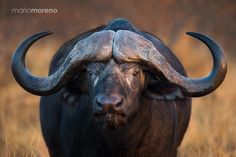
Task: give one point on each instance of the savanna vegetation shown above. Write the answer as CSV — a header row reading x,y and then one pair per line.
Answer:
x,y
212,129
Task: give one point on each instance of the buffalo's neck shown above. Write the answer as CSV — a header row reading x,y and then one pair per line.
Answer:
x,y
129,137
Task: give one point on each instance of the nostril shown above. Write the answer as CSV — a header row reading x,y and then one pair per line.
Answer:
x,y
119,103
99,101
116,101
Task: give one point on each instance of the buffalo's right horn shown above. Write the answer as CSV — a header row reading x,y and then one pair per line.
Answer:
x,y
96,47
131,47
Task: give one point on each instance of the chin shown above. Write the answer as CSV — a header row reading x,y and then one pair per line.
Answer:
x,y
111,121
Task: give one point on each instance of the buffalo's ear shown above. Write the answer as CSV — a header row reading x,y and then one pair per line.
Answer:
x,y
161,89
164,91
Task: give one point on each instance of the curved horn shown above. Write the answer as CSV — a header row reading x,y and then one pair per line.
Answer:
x,y
129,46
96,47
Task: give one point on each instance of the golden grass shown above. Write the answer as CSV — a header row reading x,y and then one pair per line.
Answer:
x,y
20,134
211,132
212,129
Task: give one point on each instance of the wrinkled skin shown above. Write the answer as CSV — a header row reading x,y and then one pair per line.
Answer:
x,y
145,123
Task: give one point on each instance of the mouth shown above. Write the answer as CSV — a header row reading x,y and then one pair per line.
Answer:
x,y
111,121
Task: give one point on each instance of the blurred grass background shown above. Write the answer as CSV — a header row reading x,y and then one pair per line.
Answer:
x,y
212,129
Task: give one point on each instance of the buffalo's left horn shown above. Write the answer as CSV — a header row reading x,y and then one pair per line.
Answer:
x,y
129,47
97,46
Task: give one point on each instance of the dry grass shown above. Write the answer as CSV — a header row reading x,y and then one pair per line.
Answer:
x,y
19,123
212,129
211,133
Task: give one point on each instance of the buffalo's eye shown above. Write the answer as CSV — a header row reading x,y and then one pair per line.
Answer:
x,y
92,76
136,72
132,76
94,69
133,72
91,73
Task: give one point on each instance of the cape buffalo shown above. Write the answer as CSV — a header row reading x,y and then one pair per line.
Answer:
x,y
115,91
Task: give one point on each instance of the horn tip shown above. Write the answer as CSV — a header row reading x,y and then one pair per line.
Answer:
x,y
193,33
42,34
47,32
197,35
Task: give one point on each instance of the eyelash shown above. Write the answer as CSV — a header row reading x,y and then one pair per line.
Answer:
x,y
90,73
136,72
